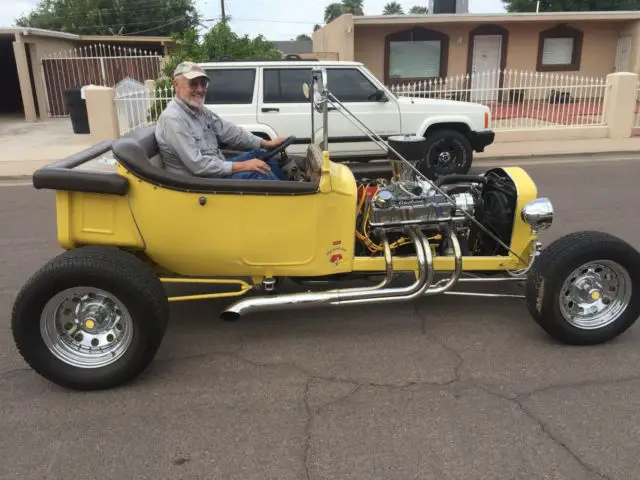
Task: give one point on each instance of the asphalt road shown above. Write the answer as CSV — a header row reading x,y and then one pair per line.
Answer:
x,y
444,388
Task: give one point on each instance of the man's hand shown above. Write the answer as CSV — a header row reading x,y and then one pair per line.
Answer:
x,y
272,143
253,165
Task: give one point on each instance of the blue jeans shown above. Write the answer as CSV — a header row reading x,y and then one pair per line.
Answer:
x,y
276,172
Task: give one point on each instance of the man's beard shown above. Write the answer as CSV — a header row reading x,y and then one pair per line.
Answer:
x,y
195,101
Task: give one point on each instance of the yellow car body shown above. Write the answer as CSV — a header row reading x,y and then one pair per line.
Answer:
x,y
256,235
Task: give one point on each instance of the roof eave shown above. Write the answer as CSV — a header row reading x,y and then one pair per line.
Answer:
x,y
494,17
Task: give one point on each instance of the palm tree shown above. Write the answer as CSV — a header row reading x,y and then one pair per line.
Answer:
x,y
392,8
418,10
354,7
332,11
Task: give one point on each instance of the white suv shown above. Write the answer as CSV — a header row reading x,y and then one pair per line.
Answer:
x,y
267,98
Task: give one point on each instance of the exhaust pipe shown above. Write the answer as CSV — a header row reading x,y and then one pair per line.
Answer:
x,y
353,295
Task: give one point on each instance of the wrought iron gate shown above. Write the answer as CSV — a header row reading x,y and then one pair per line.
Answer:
x,y
99,64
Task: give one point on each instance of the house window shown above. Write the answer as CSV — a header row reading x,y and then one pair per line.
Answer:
x,y
559,49
414,59
416,54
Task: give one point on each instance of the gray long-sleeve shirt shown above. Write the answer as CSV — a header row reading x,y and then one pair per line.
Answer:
x,y
189,141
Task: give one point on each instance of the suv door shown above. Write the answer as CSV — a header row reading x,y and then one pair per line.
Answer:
x,y
283,106
231,94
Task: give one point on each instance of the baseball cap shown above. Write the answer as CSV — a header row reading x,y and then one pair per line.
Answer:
x,y
189,70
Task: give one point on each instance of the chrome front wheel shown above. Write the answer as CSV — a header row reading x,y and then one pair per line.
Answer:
x,y
595,294
584,288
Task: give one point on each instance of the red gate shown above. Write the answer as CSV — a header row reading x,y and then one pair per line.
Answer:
x,y
95,65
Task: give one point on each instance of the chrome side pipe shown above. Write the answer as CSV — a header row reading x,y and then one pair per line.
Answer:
x,y
345,296
417,289
447,284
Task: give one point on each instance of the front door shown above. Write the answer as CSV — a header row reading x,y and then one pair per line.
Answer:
x,y
485,80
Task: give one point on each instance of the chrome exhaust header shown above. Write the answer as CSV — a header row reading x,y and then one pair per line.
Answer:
x,y
376,294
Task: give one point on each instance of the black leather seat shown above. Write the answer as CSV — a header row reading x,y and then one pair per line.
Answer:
x,y
138,152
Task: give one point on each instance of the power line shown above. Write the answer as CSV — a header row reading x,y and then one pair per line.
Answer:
x,y
244,19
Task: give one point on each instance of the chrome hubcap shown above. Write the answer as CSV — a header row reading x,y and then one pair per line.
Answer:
x,y
86,327
445,157
595,294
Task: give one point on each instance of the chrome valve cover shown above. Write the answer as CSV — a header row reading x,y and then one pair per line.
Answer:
x,y
412,203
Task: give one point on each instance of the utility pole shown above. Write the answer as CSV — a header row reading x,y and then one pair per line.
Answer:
x,y
222,7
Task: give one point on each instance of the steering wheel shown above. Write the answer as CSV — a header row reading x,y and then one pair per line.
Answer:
x,y
280,148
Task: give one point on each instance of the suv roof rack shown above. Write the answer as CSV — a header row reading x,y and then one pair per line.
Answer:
x,y
292,57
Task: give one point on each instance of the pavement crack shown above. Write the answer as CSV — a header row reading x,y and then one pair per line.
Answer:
x,y
352,381
15,371
423,326
307,442
546,430
586,383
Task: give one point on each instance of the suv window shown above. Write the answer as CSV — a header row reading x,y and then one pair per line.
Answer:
x,y
350,85
231,86
284,85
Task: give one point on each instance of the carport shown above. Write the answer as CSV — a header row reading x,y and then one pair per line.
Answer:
x,y
11,98
23,94
28,55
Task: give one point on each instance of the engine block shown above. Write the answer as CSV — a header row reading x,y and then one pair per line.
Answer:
x,y
417,202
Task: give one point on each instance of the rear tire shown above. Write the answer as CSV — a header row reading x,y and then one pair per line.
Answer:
x,y
448,152
584,288
90,319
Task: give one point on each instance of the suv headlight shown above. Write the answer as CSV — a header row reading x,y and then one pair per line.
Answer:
x,y
538,213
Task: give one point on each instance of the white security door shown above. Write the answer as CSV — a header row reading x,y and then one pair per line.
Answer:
x,y
487,51
623,54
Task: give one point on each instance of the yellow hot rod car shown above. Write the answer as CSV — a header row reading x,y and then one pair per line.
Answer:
x,y
94,316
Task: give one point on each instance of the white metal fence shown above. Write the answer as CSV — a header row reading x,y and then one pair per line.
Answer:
x,y
140,107
99,64
521,99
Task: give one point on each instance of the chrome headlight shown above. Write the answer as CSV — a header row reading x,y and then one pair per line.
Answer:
x,y
538,213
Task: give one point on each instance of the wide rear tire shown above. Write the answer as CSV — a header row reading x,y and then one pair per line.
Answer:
x,y
92,318
584,288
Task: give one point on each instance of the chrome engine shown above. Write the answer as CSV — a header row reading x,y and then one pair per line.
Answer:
x,y
415,203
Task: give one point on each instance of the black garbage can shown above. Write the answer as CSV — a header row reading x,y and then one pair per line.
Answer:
x,y
77,107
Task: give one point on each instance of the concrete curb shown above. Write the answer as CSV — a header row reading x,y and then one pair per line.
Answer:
x,y
542,156
476,161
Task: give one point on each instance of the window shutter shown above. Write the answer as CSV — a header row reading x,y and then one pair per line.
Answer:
x,y
557,51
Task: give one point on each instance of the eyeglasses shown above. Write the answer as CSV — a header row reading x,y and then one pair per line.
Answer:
x,y
198,82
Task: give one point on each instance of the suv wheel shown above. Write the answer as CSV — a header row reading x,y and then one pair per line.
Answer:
x,y
448,152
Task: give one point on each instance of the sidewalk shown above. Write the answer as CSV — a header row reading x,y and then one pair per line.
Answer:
x,y
26,146
515,150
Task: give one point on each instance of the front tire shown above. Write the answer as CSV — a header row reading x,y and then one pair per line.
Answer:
x,y
90,319
584,288
448,152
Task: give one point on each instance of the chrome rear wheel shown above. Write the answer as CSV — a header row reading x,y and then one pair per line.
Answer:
x,y
86,327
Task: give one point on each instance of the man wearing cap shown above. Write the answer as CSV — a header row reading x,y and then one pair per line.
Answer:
x,y
189,135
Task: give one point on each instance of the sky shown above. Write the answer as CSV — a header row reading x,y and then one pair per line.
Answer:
x,y
254,17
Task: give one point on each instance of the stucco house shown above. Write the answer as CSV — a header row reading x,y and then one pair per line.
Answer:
x,y
405,48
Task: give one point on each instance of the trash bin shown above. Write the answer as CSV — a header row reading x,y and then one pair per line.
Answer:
x,y
77,107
